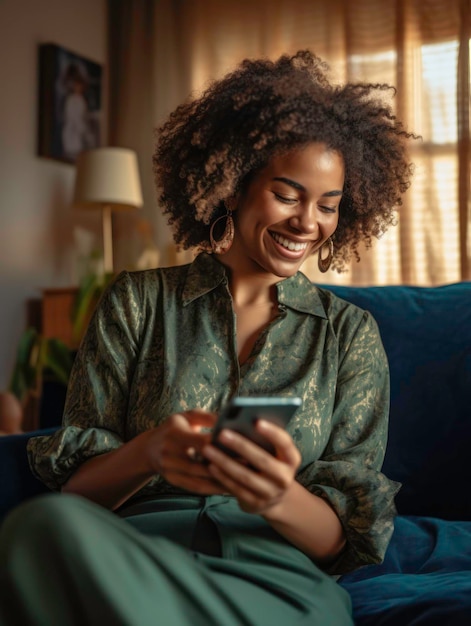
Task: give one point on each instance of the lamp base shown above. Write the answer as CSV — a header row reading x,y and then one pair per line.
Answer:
x,y
107,239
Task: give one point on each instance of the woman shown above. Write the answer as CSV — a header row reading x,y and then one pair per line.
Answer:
x,y
270,165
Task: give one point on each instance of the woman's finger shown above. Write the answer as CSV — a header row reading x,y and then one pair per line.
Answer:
x,y
244,481
257,457
181,431
281,440
249,495
200,419
255,493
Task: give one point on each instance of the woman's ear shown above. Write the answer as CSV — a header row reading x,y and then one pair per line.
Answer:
x,y
232,202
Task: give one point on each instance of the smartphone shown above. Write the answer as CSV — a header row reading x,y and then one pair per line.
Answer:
x,y
242,413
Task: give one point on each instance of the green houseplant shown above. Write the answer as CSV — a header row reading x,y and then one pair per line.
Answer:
x,y
89,292
36,356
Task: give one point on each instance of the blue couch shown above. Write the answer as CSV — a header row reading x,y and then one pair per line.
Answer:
x,y
426,576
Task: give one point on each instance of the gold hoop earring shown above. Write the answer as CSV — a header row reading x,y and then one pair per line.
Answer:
x,y
223,244
324,264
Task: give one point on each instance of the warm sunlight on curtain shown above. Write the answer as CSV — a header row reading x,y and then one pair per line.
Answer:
x,y
162,50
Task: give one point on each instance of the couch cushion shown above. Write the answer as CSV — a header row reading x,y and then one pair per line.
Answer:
x,y
16,480
426,332
425,578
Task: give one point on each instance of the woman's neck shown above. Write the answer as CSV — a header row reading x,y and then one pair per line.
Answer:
x,y
248,283
251,289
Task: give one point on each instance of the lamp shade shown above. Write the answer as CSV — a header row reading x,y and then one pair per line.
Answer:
x,y
107,176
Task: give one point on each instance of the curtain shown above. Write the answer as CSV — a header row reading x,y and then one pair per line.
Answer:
x,y
162,51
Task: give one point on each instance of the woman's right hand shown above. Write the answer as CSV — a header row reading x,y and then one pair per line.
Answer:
x,y
174,451
171,450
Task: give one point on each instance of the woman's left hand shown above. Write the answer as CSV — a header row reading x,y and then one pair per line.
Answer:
x,y
257,479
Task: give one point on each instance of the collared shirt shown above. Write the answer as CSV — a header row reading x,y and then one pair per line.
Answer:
x,y
164,341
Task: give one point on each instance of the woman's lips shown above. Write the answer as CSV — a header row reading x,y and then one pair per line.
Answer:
x,y
288,246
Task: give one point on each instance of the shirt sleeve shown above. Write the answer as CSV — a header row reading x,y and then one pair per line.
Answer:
x,y
94,420
348,474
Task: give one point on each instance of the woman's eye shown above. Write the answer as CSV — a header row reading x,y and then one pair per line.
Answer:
x,y
328,209
285,199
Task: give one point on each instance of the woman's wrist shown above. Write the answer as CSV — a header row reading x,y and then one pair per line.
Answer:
x,y
281,511
145,452
308,522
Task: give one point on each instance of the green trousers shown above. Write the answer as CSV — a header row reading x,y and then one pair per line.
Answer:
x,y
178,561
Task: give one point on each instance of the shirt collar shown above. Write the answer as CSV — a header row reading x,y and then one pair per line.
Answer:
x,y
204,275
299,293
296,292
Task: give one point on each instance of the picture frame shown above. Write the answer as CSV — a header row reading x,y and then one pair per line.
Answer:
x,y
69,103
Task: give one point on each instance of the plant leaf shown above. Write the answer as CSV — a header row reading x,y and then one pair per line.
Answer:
x,y
90,290
59,360
83,303
23,372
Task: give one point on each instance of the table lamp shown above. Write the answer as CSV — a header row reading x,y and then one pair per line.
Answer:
x,y
107,179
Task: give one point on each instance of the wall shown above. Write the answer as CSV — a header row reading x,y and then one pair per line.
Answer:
x,y
36,222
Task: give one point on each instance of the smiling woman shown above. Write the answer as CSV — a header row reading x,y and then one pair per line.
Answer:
x,y
286,212
211,147
270,165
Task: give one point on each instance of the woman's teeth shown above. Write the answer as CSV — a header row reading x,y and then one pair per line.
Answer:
x,y
286,243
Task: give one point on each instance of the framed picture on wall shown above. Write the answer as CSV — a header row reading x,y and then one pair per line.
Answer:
x,y
69,107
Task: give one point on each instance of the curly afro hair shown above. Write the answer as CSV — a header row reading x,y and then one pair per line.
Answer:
x,y
211,146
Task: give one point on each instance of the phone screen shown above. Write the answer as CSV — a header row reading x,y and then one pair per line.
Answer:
x,y
242,413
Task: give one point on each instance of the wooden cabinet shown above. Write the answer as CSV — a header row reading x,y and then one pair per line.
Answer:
x,y
56,313
51,314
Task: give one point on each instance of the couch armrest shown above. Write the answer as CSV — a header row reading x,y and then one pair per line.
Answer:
x,y
17,482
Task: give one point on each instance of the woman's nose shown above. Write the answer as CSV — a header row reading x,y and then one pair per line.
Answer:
x,y
305,220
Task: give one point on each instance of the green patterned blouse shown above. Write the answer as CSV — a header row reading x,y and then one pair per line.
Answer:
x,y
162,341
